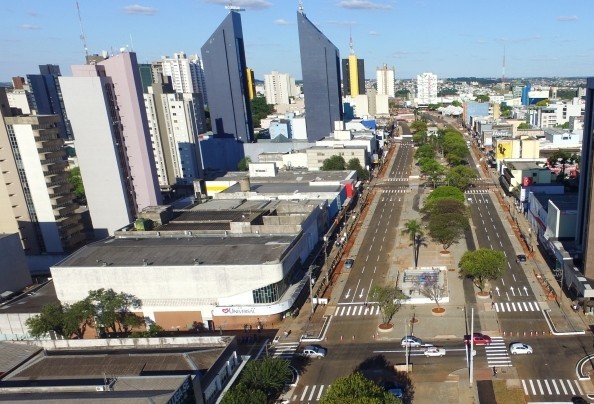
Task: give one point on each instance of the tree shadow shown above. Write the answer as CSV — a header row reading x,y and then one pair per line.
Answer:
x,y
381,371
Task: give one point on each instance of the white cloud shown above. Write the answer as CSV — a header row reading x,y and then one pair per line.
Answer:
x,y
567,18
28,26
373,33
282,21
363,5
140,10
254,4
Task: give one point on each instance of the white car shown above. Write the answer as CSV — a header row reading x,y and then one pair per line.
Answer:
x,y
434,351
520,348
313,351
411,341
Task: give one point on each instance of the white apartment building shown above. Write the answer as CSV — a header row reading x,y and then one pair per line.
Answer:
x,y
554,114
426,89
279,87
187,74
175,121
385,81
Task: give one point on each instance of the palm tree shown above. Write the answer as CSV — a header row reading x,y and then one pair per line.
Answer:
x,y
414,230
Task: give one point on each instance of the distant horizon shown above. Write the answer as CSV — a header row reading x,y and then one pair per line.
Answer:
x,y
551,40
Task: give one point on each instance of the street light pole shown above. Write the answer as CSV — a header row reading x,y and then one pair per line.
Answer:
x,y
310,288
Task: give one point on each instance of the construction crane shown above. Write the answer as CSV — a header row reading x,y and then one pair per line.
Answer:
x,y
82,32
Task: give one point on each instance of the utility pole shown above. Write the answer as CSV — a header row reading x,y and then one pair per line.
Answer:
x,y
471,344
407,344
311,267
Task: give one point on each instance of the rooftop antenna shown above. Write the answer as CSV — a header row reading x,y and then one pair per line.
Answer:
x,y
232,8
131,44
351,40
301,6
503,72
82,32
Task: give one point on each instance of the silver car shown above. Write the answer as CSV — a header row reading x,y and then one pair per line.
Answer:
x,y
520,348
348,264
411,341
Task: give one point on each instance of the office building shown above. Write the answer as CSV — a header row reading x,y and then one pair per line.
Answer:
x,y
105,107
426,89
320,68
385,80
223,56
46,96
36,199
585,224
279,88
353,74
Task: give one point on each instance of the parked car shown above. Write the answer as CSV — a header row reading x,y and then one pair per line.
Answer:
x,y
434,351
411,341
520,348
313,351
396,392
478,339
348,264
520,258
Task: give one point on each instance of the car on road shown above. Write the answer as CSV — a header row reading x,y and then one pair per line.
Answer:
x,y
313,351
478,339
411,341
396,392
348,264
520,258
434,351
519,348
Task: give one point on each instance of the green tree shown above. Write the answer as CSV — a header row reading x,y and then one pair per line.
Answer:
x,y
76,180
260,110
334,163
524,125
244,164
49,319
357,389
448,205
482,98
542,103
420,137
425,151
461,177
268,375
77,317
432,169
389,300
354,164
456,103
443,192
447,228
482,265
241,394
418,125
414,229
113,310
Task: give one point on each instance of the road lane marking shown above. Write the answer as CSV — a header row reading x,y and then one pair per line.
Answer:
x,y
304,393
313,390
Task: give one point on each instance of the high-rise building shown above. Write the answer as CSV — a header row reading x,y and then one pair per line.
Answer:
x,y
279,88
105,107
426,89
385,81
186,73
353,74
585,220
36,198
46,96
223,56
175,121
320,68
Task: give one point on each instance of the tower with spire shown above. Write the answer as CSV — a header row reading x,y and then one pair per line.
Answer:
x,y
353,73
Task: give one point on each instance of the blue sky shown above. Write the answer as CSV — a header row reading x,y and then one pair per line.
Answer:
x,y
450,38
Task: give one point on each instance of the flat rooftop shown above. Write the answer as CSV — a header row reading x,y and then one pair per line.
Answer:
x,y
12,355
293,177
31,301
564,202
284,188
182,251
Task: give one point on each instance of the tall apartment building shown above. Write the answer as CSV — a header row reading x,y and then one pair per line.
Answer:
x,y
36,199
320,67
175,121
353,74
385,80
585,220
105,107
426,89
223,56
186,73
46,96
279,88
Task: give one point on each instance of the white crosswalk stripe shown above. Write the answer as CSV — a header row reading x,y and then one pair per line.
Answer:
x,y
395,191
551,387
284,350
310,393
476,191
357,310
497,354
504,307
397,179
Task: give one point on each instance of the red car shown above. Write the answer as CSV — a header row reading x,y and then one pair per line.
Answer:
x,y
478,339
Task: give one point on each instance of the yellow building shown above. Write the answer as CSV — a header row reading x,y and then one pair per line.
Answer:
x,y
353,74
251,83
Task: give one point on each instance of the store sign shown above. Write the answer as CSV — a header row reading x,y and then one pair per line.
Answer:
x,y
253,310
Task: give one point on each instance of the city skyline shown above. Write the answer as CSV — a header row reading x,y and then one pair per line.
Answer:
x,y
449,39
